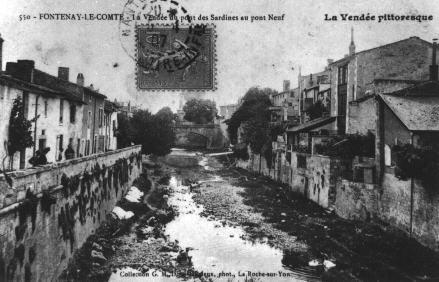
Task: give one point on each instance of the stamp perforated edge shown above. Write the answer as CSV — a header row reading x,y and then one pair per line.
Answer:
x,y
158,89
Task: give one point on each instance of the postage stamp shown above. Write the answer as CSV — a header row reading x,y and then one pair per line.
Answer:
x,y
170,58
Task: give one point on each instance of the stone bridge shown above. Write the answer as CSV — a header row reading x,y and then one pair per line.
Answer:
x,y
202,136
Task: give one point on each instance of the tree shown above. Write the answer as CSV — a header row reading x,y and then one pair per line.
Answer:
x,y
254,106
123,135
253,116
200,111
19,132
153,132
163,121
166,114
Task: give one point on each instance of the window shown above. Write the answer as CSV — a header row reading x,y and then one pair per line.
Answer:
x,y
72,113
114,129
301,161
95,144
387,155
59,147
87,147
343,74
89,119
61,111
45,108
101,117
78,147
41,144
43,132
89,98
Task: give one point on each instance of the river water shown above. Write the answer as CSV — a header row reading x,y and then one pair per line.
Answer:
x,y
217,248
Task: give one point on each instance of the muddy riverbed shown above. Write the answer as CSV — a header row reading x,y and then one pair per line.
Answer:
x,y
210,222
219,248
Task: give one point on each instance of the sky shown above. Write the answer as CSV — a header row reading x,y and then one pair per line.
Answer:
x,y
261,53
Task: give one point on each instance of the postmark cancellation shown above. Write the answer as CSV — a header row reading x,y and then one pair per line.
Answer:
x,y
175,58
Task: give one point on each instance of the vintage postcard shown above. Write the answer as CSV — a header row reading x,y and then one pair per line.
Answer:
x,y
219,140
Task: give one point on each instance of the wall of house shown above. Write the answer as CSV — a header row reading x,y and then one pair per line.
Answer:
x,y
91,128
362,117
407,59
395,208
7,96
39,235
113,127
394,129
52,126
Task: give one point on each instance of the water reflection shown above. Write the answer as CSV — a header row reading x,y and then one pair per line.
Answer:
x,y
217,247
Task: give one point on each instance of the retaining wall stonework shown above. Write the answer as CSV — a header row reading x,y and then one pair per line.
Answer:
x,y
50,211
356,200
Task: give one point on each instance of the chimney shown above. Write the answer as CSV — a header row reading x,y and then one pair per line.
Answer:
x,y
22,69
80,79
352,45
1,53
330,61
434,67
63,73
286,85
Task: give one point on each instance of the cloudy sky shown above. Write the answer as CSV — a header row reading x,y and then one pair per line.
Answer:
x,y
262,53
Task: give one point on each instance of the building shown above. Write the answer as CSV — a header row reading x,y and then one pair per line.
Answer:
x,y
64,113
126,108
285,109
356,76
110,125
399,116
85,131
353,76
57,113
313,88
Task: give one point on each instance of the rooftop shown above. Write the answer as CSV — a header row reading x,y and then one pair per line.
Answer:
x,y
381,46
313,124
35,88
417,113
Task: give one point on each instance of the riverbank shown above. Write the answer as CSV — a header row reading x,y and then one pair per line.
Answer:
x,y
136,244
212,217
308,234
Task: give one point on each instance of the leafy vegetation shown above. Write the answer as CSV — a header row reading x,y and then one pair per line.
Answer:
x,y
200,111
253,117
419,163
153,132
19,133
316,110
123,131
348,146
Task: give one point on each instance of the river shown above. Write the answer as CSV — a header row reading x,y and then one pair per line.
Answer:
x,y
219,249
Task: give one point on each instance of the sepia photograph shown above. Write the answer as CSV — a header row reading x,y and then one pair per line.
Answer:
x,y
207,140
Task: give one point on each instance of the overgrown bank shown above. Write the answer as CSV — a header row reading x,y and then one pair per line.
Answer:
x,y
102,253
361,250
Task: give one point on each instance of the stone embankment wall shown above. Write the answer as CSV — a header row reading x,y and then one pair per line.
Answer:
x,y
404,204
314,176
50,211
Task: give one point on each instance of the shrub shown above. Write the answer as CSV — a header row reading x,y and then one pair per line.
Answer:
x,y
348,146
419,163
